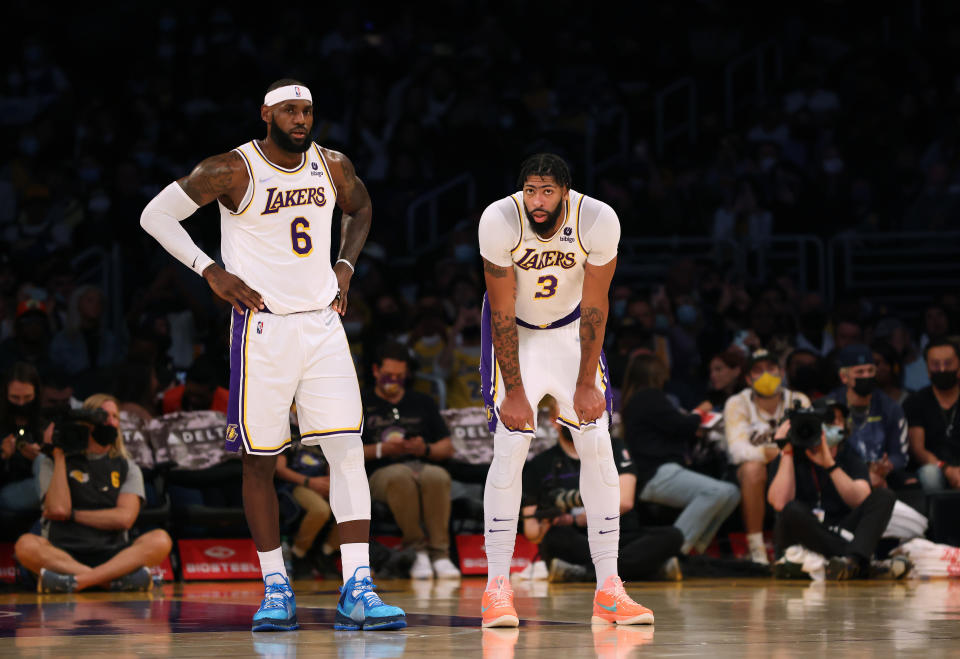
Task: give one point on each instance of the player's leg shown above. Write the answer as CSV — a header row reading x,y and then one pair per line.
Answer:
x,y
330,414
599,484
264,370
504,485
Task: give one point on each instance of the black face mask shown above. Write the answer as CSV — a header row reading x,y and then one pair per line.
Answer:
x,y
944,380
864,386
104,435
25,410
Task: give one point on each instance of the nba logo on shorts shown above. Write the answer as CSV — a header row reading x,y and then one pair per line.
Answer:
x,y
260,327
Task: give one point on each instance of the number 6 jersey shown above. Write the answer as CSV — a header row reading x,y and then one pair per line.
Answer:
x,y
278,240
549,272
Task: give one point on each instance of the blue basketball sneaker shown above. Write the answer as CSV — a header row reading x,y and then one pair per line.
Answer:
x,y
278,610
361,608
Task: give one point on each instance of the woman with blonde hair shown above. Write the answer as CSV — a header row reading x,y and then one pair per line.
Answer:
x,y
91,499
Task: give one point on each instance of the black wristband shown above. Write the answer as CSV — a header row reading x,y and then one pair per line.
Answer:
x,y
306,481
426,451
72,511
831,468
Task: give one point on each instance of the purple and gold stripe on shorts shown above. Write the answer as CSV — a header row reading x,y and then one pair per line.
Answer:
x,y
236,430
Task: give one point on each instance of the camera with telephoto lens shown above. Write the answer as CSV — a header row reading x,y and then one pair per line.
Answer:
x,y
806,427
558,501
72,428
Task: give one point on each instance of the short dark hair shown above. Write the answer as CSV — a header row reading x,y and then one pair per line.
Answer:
x,y
941,343
545,164
395,351
283,82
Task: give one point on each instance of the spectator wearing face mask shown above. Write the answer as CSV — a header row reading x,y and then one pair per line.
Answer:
x,y
932,420
751,418
878,430
405,443
23,432
198,392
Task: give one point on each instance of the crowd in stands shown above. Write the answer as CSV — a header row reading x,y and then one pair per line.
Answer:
x,y
861,134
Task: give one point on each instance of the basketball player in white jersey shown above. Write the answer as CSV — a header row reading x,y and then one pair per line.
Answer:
x,y
549,254
276,198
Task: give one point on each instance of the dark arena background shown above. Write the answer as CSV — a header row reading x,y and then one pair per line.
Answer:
x,y
787,182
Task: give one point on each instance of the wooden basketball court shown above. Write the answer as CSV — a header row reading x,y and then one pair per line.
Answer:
x,y
695,618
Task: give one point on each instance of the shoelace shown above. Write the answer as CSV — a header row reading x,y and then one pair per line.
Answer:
x,y
275,596
619,593
501,596
366,588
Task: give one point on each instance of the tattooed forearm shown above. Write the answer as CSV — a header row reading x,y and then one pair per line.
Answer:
x,y
592,325
505,345
494,270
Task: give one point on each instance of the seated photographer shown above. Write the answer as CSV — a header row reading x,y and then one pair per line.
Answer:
x,y
554,518
750,419
404,438
659,436
933,427
91,495
23,432
821,492
878,429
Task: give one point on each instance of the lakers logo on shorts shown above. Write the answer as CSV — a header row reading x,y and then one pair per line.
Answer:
x,y
232,432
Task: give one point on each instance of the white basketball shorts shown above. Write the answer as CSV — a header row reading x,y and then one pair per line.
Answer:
x,y
549,364
276,360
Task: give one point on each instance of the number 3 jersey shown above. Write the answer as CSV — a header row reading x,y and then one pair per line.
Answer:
x,y
549,272
278,240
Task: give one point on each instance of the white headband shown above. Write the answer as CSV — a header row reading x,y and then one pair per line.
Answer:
x,y
288,93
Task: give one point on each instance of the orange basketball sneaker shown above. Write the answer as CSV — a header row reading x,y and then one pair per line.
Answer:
x,y
612,605
497,605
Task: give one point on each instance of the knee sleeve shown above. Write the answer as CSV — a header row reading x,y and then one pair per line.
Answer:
x,y
349,490
509,455
596,454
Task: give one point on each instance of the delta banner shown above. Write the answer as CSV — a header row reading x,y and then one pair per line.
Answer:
x,y
473,558
218,559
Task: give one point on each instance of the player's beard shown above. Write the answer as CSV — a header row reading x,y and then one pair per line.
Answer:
x,y
545,228
285,142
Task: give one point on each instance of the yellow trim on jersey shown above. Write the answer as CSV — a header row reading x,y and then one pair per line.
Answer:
x,y
276,167
579,204
253,184
520,218
326,168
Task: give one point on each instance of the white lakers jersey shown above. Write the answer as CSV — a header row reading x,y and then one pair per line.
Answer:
x,y
549,272
278,240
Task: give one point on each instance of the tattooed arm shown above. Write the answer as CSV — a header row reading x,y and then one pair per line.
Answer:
x,y
588,402
354,200
515,410
222,177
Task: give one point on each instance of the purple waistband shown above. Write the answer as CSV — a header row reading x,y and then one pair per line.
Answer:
x,y
566,320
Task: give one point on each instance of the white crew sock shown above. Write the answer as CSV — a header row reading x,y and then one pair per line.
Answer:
x,y
271,566
605,568
355,556
755,542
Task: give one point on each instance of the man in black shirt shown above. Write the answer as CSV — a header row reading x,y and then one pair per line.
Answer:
x,y
824,499
404,438
933,426
555,519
